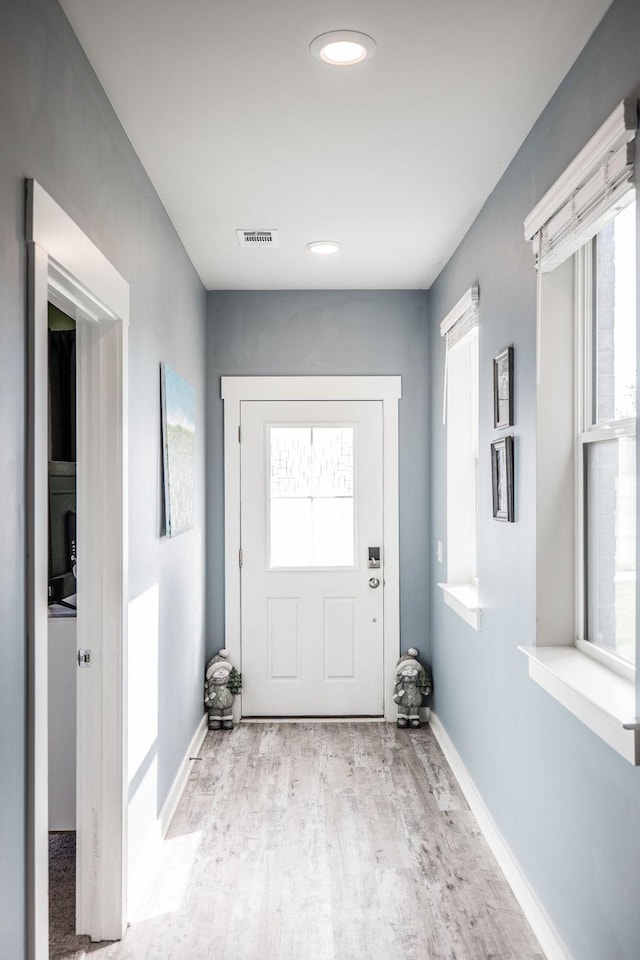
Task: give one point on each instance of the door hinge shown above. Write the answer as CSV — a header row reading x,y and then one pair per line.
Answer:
x,y
239,434
84,658
239,558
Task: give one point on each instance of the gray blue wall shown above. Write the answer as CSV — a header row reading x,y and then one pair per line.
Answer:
x,y
566,803
57,126
326,332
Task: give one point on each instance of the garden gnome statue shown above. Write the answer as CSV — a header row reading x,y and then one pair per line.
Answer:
x,y
221,685
412,683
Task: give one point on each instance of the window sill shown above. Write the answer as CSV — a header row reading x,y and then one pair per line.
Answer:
x,y
463,600
598,696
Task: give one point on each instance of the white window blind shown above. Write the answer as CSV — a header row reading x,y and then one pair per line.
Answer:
x,y
591,191
458,323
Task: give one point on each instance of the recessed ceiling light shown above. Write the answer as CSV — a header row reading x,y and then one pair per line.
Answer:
x,y
342,48
324,247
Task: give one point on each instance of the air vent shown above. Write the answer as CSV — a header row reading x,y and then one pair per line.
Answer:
x,y
257,238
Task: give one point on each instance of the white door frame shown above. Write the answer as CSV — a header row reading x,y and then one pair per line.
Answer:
x,y
65,267
388,390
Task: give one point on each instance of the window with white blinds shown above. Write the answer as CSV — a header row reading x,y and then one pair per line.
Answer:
x,y
594,188
459,323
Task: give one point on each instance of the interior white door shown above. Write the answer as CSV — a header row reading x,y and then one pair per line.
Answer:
x,y
311,513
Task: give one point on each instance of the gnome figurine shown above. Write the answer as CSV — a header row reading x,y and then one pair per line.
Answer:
x,y
412,683
221,685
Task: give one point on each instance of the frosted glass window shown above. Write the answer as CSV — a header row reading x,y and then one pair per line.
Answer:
x,y
311,517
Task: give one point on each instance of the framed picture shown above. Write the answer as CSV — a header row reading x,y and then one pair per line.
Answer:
x,y
502,478
503,388
178,402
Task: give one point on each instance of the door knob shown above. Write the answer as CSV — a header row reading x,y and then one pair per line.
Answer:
x,y
374,582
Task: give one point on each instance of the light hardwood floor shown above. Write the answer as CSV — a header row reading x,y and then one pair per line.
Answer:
x,y
327,842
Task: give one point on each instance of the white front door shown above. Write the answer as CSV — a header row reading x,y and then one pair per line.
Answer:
x,y
311,524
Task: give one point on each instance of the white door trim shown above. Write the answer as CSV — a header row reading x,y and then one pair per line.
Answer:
x,y
68,269
388,389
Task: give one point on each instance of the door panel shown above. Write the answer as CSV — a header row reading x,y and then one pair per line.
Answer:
x,y
284,637
339,637
311,507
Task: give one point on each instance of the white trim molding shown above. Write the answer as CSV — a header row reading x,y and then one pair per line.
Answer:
x,y
600,697
152,861
388,390
460,416
66,268
547,935
463,600
618,129
75,256
174,796
596,185
468,301
239,389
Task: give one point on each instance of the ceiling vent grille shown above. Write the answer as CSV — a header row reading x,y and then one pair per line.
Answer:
x,y
257,238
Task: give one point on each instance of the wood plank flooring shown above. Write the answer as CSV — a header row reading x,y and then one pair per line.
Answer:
x,y
329,842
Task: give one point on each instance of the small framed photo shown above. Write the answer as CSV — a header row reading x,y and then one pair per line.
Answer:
x,y
503,389
502,479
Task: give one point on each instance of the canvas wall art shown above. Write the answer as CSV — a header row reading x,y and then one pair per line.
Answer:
x,y
178,400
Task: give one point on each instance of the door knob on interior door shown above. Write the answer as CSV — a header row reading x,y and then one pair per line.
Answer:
x,y
374,582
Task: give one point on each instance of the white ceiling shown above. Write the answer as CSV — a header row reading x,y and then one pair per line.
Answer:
x,y
238,126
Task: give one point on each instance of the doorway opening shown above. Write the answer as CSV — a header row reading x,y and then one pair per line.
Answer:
x,y
271,418
69,272
62,640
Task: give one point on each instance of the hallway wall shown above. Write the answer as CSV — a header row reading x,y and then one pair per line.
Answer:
x,y
326,332
58,126
567,804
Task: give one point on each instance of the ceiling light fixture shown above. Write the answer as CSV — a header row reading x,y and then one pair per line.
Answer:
x,y
324,248
343,48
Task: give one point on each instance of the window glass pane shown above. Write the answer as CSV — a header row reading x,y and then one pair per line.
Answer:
x,y
462,449
333,532
291,532
615,321
311,516
611,545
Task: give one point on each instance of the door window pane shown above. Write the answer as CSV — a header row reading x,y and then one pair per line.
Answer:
x,y
611,545
311,517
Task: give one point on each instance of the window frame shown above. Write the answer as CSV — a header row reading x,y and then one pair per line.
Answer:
x,y
588,432
575,207
460,591
311,426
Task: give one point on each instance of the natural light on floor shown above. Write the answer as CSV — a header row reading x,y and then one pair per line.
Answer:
x,y
169,875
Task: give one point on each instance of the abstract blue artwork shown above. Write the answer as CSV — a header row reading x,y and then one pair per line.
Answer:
x,y
179,448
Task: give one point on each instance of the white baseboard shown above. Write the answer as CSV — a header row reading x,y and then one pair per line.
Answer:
x,y
538,919
143,875
313,720
180,780
424,716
